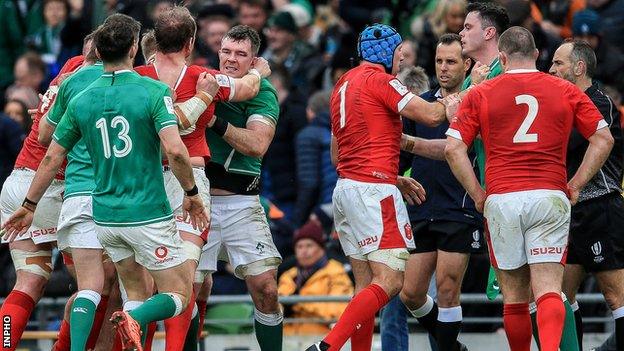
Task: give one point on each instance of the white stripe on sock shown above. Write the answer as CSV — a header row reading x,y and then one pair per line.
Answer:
x,y
424,309
90,295
131,305
450,314
270,319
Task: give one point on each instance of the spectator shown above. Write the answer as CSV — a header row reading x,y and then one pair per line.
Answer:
x,y
157,8
612,14
447,17
11,137
61,36
299,58
410,53
360,13
610,60
214,21
555,16
520,15
616,96
314,274
18,112
253,13
316,175
30,71
24,94
16,22
279,161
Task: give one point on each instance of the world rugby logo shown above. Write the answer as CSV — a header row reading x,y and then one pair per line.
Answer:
x,y
475,237
596,248
161,252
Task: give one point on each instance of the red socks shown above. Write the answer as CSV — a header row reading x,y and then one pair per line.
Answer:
x,y
151,330
63,343
362,338
517,322
201,308
17,306
177,327
550,318
360,310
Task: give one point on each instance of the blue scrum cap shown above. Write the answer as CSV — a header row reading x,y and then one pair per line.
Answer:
x,y
377,43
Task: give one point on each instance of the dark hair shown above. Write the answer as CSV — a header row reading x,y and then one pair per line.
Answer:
x,y
27,122
582,51
517,41
242,33
492,15
91,54
173,29
279,72
254,3
449,38
34,62
116,36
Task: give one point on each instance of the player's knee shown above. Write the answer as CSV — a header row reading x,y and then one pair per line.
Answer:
x,y
448,292
33,269
614,299
413,297
257,268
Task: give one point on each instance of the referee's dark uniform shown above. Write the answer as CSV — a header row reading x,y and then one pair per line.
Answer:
x,y
597,223
448,220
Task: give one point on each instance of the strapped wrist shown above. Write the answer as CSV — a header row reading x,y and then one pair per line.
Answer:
x,y
194,191
29,205
220,126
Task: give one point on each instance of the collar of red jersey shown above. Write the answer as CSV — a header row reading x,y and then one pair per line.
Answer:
x,y
521,70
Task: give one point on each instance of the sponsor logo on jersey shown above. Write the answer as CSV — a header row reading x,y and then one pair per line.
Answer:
x,y
260,248
368,241
169,104
180,219
476,244
408,231
161,252
597,250
546,251
46,231
398,86
48,97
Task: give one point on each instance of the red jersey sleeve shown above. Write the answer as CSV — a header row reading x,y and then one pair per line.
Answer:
x,y
226,86
390,91
466,125
587,118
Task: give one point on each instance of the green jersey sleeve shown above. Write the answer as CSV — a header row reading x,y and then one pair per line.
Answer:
x,y
59,106
264,108
163,113
67,133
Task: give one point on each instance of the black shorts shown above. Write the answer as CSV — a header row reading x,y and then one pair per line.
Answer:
x,y
447,236
597,234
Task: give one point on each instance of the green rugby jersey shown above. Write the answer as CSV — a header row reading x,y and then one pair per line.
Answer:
x,y
264,107
119,117
79,172
495,69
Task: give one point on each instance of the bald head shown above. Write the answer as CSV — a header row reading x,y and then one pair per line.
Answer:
x,y
517,43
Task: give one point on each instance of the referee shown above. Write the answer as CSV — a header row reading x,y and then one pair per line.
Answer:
x,y
596,237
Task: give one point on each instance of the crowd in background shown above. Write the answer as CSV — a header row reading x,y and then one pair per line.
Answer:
x,y
309,44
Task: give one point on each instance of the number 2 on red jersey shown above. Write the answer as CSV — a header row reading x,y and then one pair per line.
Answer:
x,y
522,135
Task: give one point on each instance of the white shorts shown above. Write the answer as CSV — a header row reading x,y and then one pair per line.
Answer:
x,y
76,228
155,246
370,217
14,190
175,194
527,227
240,228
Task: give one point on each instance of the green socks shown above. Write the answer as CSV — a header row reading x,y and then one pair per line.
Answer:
x,y
492,290
156,308
81,318
269,330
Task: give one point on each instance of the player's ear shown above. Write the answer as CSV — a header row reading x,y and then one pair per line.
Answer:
x,y
467,64
97,53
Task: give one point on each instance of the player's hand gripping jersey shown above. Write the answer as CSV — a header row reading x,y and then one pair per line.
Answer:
x,y
365,109
185,89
